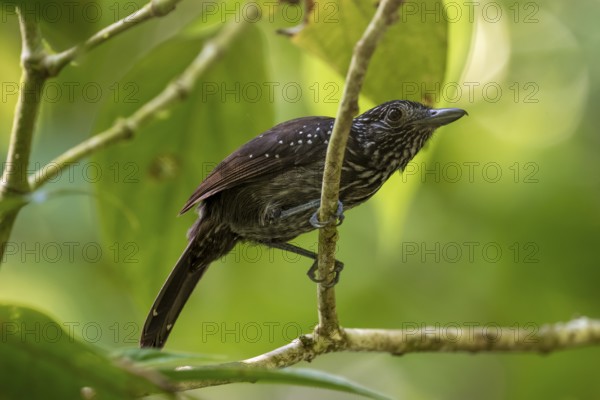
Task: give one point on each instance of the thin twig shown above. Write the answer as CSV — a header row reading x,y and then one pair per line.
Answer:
x,y
175,92
156,8
450,339
37,67
363,51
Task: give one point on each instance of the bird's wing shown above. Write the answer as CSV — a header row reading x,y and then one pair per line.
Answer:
x,y
289,144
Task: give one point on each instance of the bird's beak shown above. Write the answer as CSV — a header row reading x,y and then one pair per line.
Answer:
x,y
442,116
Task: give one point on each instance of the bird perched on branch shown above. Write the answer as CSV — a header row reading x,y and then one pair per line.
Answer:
x,y
268,191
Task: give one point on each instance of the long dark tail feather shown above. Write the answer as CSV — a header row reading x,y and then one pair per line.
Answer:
x,y
208,242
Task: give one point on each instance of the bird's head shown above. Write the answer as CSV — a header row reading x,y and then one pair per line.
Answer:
x,y
400,128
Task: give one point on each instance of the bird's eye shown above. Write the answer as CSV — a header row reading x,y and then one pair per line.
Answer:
x,y
394,115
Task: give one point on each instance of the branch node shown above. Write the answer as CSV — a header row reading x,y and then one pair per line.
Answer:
x,y
127,128
329,340
181,88
53,63
306,340
35,63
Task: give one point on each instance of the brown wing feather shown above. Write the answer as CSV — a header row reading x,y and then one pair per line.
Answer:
x,y
267,153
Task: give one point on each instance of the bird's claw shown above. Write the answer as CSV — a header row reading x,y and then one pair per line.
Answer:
x,y
337,270
337,219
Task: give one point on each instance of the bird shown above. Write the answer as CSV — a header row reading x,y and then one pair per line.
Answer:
x,y
268,192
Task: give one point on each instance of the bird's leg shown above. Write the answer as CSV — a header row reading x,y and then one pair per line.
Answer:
x,y
339,266
301,208
314,220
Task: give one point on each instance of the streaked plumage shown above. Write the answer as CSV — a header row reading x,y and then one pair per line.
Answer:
x,y
256,194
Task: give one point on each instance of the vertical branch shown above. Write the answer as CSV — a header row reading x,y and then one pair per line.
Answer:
x,y
14,179
363,51
33,78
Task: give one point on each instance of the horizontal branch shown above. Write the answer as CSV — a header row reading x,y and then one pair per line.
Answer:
x,y
492,338
489,339
530,338
175,92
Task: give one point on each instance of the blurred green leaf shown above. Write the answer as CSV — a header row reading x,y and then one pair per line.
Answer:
x,y
167,160
294,376
64,23
45,361
411,54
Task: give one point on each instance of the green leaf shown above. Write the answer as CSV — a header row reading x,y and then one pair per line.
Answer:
x,y
410,61
154,357
45,361
183,368
295,376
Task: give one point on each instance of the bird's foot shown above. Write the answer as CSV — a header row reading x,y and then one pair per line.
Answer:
x,y
337,219
337,270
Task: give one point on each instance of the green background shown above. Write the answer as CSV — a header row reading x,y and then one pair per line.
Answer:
x,y
495,223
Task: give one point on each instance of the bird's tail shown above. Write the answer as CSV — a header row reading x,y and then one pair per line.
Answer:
x,y
208,242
